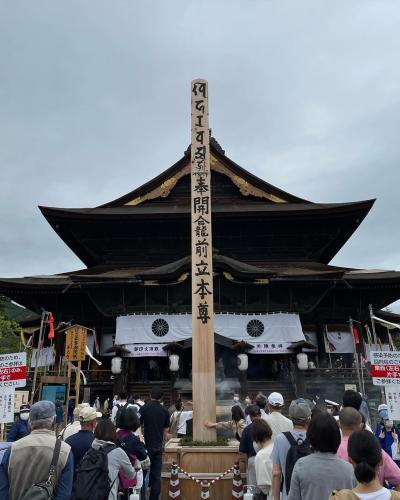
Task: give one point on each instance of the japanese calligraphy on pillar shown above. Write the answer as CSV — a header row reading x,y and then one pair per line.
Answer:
x,y
202,275
203,358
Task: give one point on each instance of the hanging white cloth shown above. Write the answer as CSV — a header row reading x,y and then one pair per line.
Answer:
x,y
156,328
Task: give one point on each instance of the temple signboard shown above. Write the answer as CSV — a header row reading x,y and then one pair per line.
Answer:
x,y
75,343
203,359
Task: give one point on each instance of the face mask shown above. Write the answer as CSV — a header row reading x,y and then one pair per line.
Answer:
x,y
247,401
330,411
256,446
236,399
24,416
388,424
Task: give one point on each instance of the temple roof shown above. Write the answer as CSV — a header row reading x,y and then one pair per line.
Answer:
x,y
298,271
219,162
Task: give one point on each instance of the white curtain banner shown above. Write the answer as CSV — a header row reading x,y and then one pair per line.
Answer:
x,y
47,357
339,343
258,328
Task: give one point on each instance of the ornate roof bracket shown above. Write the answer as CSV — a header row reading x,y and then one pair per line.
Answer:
x,y
244,186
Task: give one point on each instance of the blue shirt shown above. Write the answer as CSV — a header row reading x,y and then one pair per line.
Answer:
x,y
19,430
246,442
387,441
80,443
64,485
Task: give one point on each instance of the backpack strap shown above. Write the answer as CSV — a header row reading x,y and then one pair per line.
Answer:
x,y
289,436
54,461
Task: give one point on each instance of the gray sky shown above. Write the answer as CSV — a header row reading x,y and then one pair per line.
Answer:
x,y
95,100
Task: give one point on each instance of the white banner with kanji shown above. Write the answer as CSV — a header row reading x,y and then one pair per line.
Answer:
x,y
259,328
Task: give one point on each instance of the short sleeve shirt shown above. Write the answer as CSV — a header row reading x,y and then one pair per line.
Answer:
x,y
280,451
154,418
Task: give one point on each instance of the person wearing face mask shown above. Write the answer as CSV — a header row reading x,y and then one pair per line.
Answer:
x,y
385,436
332,408
20,427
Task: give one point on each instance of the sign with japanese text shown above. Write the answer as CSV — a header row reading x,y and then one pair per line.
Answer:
x,y
202,270
270,347
385,367
203,364
392,394
20,398
145,350
12,370
75,343
6,405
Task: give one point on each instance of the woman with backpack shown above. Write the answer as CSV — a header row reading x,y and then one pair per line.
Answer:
x,y
97,475
315,476
365,454
236,424
128,423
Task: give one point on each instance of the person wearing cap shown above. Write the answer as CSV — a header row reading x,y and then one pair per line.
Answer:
x,y
20,427
299,414
81,441
385,430
76,424
332,408
278,422
28,460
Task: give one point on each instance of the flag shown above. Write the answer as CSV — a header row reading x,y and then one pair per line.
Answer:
x,y
355,335
22,338
96,348
30,341
369,336
50,322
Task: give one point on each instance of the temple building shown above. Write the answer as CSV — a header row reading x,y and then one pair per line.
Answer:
x,y
273,281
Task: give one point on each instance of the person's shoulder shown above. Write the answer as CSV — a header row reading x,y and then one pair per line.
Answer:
x,y
395,495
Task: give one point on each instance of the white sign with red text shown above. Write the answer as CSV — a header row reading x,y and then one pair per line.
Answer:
x,y
385,367
12,370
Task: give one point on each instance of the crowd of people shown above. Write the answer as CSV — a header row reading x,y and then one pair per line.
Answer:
x,y
115,450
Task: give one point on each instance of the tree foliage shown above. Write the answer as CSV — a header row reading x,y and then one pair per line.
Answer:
x,y
9,333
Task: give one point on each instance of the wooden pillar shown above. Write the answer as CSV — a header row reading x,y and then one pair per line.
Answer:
x,y
203,357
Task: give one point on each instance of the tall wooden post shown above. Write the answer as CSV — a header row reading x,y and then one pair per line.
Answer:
x,y
203,357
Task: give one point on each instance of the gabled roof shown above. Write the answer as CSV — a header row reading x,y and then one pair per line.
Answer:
x,y
162,184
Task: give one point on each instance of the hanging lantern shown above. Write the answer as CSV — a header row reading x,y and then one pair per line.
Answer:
x,y
174,362
243,362
302,361
116,365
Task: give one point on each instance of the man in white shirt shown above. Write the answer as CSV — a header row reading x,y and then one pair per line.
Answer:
x,y
122,403
183,417
278,422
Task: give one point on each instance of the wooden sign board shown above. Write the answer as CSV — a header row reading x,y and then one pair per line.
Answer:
x,y
75,343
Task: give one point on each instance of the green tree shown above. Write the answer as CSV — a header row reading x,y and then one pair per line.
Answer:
x,y
9,333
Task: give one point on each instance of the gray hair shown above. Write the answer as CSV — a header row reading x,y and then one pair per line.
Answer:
x,y
44,423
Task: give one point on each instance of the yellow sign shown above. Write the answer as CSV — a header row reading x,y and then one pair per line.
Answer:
x,y
75,343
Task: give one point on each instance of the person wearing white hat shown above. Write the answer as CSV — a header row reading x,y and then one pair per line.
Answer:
x,y
278,422
332,408
81,441
76,424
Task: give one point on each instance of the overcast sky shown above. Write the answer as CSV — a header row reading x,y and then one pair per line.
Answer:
x,y
95,100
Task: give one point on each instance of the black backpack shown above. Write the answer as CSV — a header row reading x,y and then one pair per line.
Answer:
x,y
91,480
298,448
